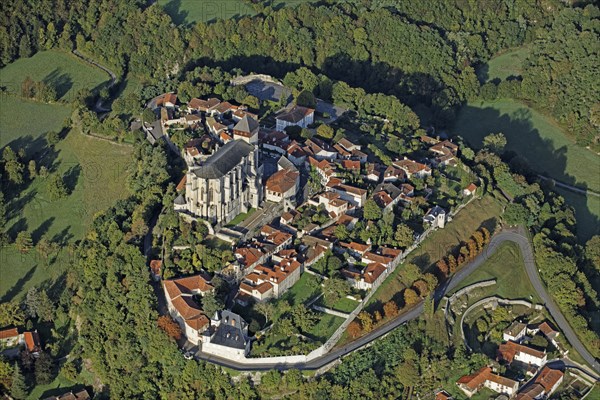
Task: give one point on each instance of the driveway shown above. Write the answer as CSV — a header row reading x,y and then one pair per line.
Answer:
x,y
516,235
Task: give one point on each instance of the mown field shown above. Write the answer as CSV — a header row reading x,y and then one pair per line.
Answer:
x,y
62,70
94,171
542,143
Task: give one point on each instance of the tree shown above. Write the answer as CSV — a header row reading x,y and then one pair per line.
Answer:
x,y
515,214
11,313
341,232
371,210
45,309
366,321
442,266
32,168
404,235
69,370
325,131
334,289
306,99
407,374
46,248
354,329
56,187
265,308
390,309
410,297
12,165
148,116
170,327
23,242
495,142
32,302
421,287
6,375
43,369
252,102
409,273
452,263
303,318
211,304
431,281
18,388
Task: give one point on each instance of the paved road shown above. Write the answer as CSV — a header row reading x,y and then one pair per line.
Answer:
x,y
517,236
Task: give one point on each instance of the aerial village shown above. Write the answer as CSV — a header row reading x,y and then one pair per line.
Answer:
x,y
280,228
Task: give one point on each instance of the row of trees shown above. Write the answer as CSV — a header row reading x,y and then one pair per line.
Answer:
x,y
467,251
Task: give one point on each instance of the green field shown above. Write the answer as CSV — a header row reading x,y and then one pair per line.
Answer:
x,y
504,65
62,70
541,142
191,11
507,267
96,173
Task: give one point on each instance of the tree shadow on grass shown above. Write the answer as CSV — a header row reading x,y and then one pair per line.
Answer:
x,y
528,143
63,236
71,177
41,230
18,286
173,8
61,82
19,226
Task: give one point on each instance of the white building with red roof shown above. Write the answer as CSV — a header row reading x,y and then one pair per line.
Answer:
x,y
179,294
372,275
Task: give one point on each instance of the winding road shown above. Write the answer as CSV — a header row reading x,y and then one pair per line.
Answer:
x,y
517,236
113,79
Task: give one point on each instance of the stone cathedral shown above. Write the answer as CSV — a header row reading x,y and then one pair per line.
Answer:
x,y
228,182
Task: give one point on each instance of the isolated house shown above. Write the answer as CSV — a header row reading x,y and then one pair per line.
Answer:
x,y
470,190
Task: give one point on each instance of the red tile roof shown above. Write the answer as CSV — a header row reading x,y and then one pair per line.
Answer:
x,y
548,378
476,379
507,351
181,185
9,333
282,181
32,341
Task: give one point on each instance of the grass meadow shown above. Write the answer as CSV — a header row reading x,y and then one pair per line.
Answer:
x,y
64,71
543,145
94,170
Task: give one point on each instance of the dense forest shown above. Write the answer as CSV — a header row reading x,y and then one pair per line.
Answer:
x,y
425,52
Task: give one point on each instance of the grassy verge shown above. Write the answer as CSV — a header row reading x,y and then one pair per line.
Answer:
x,y
241,218
507,267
